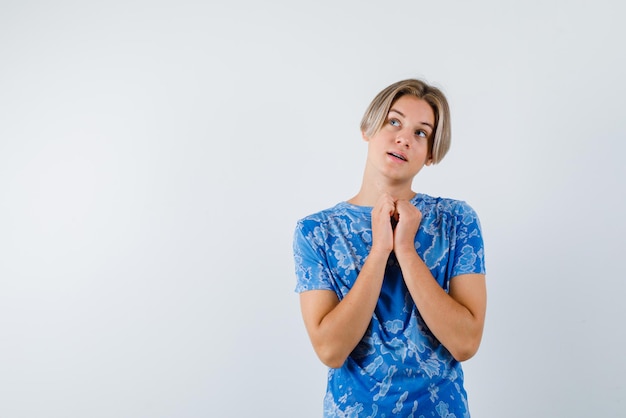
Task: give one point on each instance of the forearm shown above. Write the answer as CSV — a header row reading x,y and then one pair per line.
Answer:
x,y
458,327
342,327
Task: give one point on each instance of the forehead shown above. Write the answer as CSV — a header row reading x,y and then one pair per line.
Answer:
x,y
413,108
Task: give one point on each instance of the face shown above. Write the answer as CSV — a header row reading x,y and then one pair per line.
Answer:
x,y
400,149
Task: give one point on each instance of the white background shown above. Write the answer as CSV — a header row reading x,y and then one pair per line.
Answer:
x,y
155,156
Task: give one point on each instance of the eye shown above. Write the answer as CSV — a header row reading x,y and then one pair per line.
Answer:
x,y
421,133
394,122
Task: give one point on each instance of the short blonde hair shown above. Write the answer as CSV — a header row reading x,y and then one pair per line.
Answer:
x,y
376,114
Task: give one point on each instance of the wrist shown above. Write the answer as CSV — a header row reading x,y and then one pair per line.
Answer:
x,y
403,251
380,252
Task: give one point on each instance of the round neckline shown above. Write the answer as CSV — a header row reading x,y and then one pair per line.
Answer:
x,y
360,208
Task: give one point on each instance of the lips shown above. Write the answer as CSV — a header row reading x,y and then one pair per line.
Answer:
x,y
397,155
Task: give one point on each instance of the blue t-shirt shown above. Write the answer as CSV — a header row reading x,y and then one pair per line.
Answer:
x,y
398,368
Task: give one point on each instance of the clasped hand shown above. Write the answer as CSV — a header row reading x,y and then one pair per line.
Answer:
x,y
406,217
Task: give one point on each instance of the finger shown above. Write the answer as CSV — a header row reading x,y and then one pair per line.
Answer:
x,y
401,206
388,207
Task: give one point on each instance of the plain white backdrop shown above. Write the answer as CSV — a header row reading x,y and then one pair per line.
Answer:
x,y
155,156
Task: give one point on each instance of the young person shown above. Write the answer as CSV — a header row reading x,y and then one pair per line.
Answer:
x,y
392,282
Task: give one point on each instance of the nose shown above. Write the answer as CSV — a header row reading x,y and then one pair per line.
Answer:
x,y
401,139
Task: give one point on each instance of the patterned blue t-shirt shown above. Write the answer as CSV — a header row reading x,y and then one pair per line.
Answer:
x,y
398,368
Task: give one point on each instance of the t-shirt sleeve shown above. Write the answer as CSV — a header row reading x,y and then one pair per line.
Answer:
x,y
312,271
468,249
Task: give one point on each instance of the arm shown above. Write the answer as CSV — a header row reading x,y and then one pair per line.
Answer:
x,y
456,318
336,327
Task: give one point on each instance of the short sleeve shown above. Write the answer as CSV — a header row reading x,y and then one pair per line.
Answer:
x,y
312,271
468,255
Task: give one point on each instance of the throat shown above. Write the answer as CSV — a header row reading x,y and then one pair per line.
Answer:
x,y
369,196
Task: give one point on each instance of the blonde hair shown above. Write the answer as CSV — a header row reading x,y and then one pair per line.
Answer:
x,y
376,114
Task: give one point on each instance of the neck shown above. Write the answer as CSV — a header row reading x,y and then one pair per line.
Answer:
x,y
371,191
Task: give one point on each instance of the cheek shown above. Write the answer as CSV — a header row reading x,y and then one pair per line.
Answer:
x,y
423,145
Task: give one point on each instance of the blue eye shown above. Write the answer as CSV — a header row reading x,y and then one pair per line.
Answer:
x,y
394,122
421,133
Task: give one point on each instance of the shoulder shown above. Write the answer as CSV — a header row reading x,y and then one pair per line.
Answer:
x,y
317,224
342,220
445,206
323,216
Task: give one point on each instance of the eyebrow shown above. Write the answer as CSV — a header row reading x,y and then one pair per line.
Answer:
x,y
402,114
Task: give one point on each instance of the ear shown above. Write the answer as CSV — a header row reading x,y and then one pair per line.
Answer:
x,y
429,161
365,138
